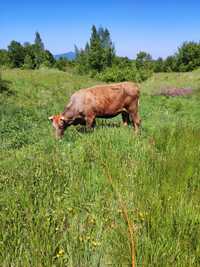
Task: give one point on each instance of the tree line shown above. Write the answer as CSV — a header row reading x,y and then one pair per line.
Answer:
x,y
98,59
27,56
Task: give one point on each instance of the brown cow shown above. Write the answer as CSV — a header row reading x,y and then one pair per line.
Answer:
x,y
102,101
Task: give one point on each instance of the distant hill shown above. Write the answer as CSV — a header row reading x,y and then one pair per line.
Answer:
x,y
69,55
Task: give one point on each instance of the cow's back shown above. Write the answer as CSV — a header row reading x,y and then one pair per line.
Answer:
x,y
111,98
114,89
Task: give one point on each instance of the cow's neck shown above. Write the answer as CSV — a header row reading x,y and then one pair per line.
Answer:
x,y
68,114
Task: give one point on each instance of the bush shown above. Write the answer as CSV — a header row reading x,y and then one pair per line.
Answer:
x,y
28,62
63,64
117,74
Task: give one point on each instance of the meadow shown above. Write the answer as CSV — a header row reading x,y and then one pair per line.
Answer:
x,y
102,197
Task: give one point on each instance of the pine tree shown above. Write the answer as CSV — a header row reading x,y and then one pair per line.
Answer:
x,y
48,59
77,51
96,56
106,43
38,55
38,41
108,47
87,48
105,39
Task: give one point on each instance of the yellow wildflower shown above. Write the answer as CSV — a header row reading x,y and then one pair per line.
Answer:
x,y
80,238
92,221
60,253
87,238
95,243
70,209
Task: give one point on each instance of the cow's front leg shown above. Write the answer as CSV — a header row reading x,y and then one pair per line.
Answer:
x,y
90,121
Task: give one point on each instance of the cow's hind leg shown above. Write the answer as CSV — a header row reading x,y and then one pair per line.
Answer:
x,y
134,115
135,120
125,118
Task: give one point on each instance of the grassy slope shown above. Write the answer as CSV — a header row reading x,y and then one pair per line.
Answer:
x,y
57,205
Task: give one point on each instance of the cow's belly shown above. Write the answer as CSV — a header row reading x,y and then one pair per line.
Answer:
x,y
109,112
108,116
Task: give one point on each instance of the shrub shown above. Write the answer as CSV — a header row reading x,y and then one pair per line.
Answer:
x,y
63,64
28,62
117,74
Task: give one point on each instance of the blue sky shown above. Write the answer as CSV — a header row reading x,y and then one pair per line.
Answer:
x,y
158,27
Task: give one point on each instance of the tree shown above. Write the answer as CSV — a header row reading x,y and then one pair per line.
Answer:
x,y
143,60
104,36
188,56
107,45
170,64
28,62
77,51
98,54
144,65
48,59
16,54
38,55
28,56
82,62
81,59
38,41
95,52
159,65
87,48
35,57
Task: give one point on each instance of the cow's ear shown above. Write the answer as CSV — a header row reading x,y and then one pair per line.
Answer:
x,y
51,118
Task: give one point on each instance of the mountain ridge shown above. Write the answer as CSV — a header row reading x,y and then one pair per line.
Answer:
x,y
68,55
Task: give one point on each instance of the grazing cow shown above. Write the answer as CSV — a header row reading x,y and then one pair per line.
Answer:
x,y
102,101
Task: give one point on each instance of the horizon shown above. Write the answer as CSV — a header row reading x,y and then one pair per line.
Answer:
x,y
156,28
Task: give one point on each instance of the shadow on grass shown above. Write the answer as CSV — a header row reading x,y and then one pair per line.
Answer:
x,y
108,124
99,125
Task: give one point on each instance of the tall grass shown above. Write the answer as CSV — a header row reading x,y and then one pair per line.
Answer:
x,y
63,202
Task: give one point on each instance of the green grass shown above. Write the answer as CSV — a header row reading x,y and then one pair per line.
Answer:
x,y
58,207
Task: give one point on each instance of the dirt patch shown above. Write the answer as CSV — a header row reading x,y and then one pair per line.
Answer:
x,y
175,92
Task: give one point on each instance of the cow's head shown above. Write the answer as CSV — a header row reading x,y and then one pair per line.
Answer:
x,y
59,123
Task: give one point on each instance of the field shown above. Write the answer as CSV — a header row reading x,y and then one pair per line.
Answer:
x,y
102,197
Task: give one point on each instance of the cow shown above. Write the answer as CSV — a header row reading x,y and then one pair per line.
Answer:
x,y
101,101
